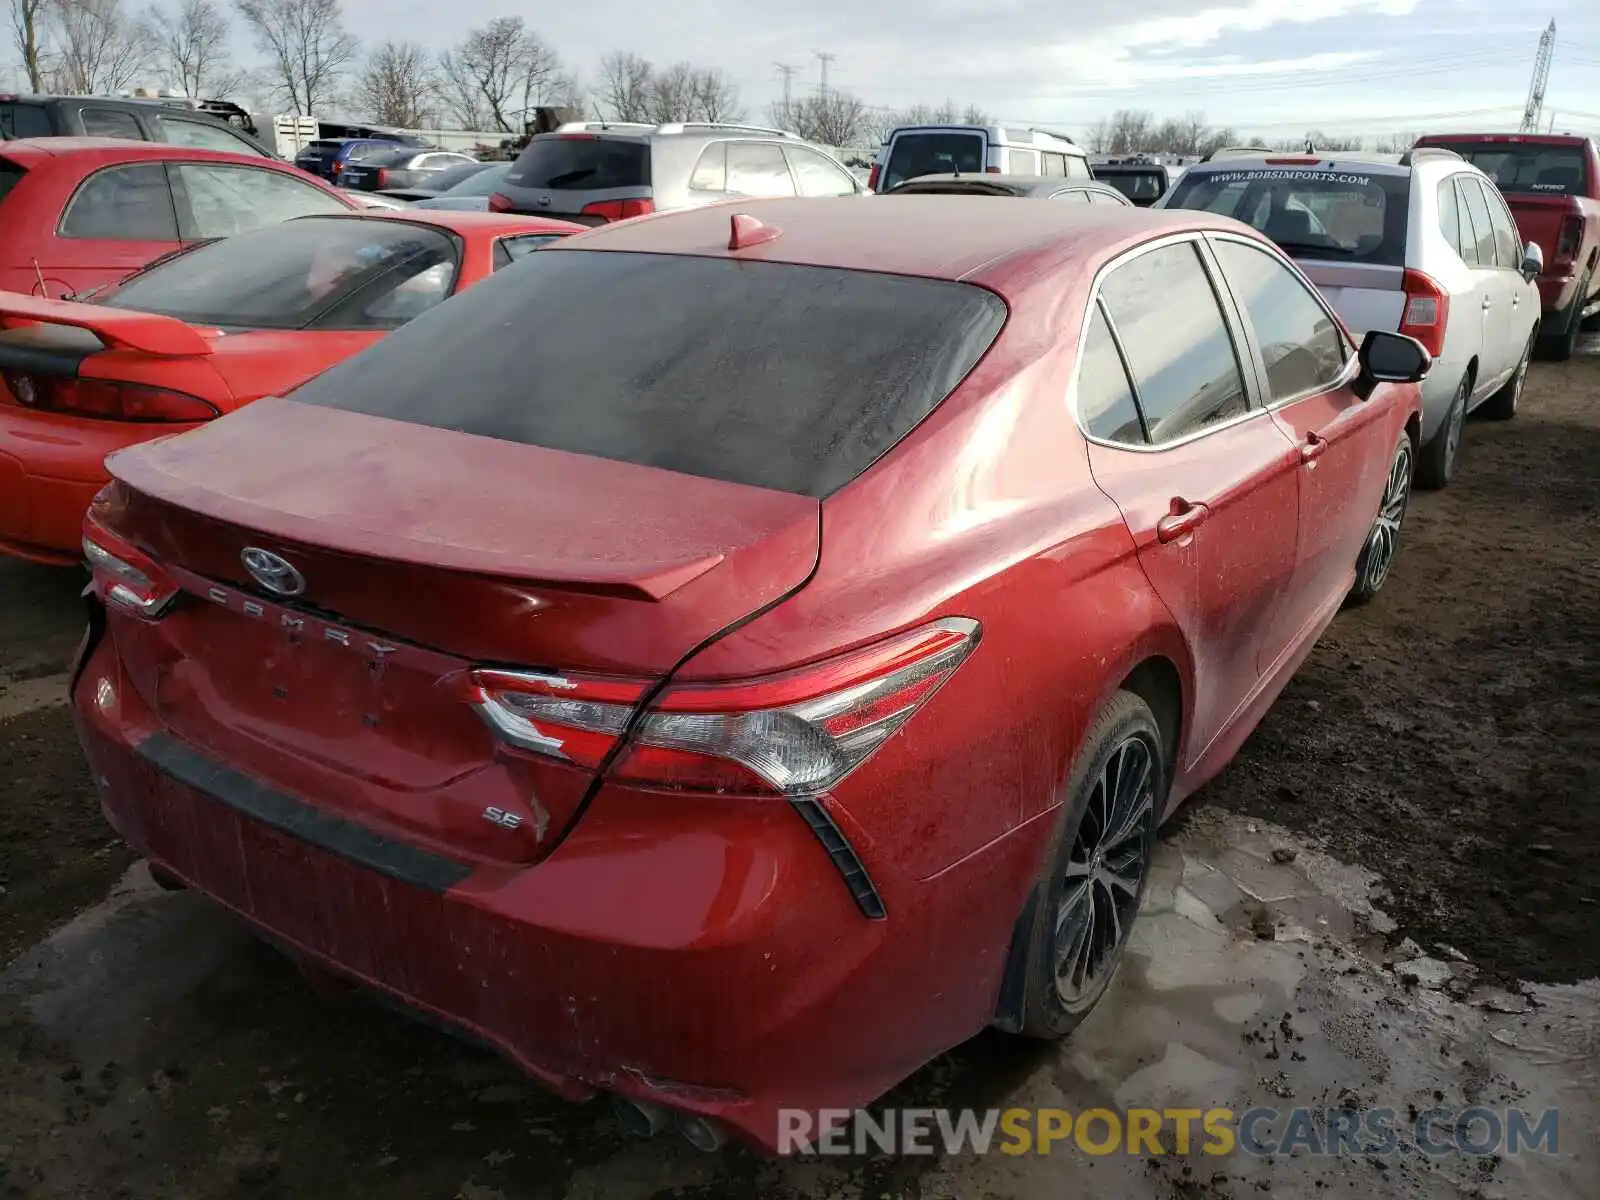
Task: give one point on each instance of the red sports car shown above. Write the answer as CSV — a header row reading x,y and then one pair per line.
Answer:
x,y
81,213
746,656
208,330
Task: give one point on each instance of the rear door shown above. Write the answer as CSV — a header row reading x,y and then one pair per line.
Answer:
x,y
101,120
1308,366
117,219
1206,481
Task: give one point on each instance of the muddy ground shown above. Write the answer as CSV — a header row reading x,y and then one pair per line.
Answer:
x,y
1433,767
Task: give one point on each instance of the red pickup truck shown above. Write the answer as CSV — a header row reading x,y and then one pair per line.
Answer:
x,y
1552,184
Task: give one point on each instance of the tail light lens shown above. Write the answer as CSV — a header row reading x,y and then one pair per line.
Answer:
x,y
337,168
792,734
499,203
383,177
992,170
1426,312
106,399
1568,240
619,210
872,177
124,575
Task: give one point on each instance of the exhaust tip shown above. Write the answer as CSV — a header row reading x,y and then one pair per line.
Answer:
x,y
702,1132
640,1118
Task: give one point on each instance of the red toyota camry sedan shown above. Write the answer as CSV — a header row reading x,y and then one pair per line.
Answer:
x,y
202,332
747,655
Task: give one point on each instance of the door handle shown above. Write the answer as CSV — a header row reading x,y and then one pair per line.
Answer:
x,y
1487,303
1313,448
1183,519
1516,300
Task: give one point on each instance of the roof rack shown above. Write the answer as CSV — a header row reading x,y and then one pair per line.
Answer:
x,y
1411,155
732,126
586,126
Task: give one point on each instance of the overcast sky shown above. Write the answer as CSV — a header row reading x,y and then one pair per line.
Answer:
x,y
1276,67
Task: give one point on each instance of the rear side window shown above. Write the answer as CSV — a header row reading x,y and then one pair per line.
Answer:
x,y
111,123
1137,185
1300,344
10,176
1178,346
1482,227
1527,166
758,169
1078,167
916,154
123,204
562,162
1450,215
19,120
181,132
1105,396
788,377
1312,212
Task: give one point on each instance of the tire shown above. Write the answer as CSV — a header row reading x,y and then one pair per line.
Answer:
x,y
1088,923
1558,346
1383,540
1436,465
1502,406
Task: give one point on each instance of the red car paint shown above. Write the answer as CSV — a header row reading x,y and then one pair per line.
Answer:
x,y
52,171
695,945
52,463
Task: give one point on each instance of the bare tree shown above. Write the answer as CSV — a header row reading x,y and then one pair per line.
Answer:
x,y
879,123
308,45
830,118
625,80
99,48
497,67
189,44
396,85
672,94
1131,130
29,24
716,96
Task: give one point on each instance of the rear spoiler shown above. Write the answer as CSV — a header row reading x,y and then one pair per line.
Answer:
x,y
118,328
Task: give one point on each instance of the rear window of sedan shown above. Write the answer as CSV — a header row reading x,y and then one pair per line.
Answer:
x,y
1341,213
794,378
308,273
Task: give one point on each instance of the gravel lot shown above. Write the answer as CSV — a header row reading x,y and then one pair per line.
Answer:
x,y
1436,760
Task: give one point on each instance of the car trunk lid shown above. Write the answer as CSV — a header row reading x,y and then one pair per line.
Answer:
x,y
423,553
1365,295
583,177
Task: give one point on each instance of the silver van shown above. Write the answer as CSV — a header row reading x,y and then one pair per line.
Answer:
x,y
912,151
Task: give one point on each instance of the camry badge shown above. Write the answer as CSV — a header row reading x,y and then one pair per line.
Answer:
x,y
272,571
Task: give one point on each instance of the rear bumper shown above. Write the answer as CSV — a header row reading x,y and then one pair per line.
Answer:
x,y
714,965
1557,294
51,466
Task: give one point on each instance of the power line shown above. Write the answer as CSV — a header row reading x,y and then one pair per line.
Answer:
x,y
824,57
785,70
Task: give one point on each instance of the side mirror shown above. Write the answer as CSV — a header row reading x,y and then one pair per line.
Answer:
x,y
1532,261
1390,358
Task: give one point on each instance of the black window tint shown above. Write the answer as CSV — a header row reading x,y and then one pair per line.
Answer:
x,y
1450,214
330,273
1105,397
1482,228
711,172
1135,185
780,376
1177,343
758,169
1300,344
18,120
132,203
111,123
581,162
10,176
917,154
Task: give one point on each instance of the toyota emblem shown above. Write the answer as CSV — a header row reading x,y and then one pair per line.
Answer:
x,y
272,571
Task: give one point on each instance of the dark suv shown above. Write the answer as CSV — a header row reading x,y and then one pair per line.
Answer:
x,y
597,172
28,116
327,158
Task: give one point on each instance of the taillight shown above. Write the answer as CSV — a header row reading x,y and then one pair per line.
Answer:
x,y
1426,311
619,210
992,170
872,177
106,398
383,177
124,575
1568,240
499,203
793,734
337,168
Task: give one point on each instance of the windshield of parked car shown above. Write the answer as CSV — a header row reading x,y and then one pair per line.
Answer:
x,y
1527,166
779,376
308,273
932,153
1145,185
1338,212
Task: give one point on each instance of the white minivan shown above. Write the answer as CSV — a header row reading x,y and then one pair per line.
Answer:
x,y
915,150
